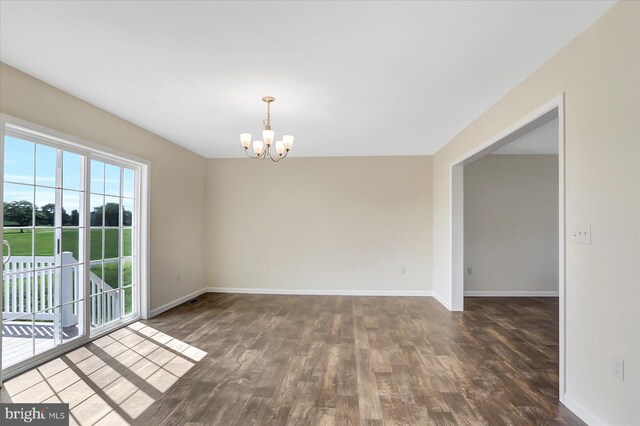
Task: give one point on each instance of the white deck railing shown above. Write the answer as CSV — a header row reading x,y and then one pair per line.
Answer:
x,y
30,286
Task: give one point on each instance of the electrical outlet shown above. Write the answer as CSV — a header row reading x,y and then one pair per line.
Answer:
x,y
402,270
470,270
618,369
265,269
581,234
178,276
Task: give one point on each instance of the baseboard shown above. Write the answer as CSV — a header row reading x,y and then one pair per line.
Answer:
x,y
441,300
320,292
166,307
511,293
585,415
328,292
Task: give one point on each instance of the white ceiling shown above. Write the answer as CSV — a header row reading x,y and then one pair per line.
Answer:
x,y
539,140
350,78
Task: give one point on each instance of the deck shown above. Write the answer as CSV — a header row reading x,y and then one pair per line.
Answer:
x,y
20,340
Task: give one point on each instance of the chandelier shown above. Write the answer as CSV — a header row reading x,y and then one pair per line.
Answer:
x,y
262,148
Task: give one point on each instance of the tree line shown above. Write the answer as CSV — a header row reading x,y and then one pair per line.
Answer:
x,y
21,213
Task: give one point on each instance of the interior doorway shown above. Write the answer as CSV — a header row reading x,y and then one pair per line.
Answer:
x,y
511,217
546,113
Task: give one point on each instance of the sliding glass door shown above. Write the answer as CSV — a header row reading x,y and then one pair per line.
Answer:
x,y
112,241
71,257
44,223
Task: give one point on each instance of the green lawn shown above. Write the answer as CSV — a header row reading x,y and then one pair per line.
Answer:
x,y
45,246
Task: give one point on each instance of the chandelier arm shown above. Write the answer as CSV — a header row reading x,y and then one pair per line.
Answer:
x,y
279,157
246,151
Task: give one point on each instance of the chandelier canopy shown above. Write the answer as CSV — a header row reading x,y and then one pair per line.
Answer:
x,y
262,149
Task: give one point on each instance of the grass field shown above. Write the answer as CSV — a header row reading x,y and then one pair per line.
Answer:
x,y
45,246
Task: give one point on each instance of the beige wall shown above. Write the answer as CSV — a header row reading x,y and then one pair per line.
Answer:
x,y
511,224
345,223
599,72
177,177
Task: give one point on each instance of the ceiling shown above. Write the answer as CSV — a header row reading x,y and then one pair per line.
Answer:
x,y
542,139
350,78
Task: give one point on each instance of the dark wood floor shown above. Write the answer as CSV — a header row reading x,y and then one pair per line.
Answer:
x,y
313,360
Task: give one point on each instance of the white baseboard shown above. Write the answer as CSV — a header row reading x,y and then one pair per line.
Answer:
x,y
328,292
320,292
585,415
166,307
511,293
441,300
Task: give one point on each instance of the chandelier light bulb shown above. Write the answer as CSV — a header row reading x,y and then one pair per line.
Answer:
x,y
279,147
288,142
258,147
245,140
267,137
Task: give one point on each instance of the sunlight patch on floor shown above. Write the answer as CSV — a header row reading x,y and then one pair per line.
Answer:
x,y
111,381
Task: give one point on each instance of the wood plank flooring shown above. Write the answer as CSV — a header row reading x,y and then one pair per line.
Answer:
x,y
235,359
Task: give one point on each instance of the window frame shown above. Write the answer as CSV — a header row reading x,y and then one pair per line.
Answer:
x,y
43,135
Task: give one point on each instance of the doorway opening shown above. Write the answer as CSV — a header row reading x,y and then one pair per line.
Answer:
x,y
465,276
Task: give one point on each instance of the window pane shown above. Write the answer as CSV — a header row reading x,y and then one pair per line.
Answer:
x,y
95,241
127,183
45,244
127,212
18,205
21,244
127,216
96,310
71,244
111,211
69,285
111,243
45,165
45,206
22,328
127,272
18,160
78,278
44,329
97,177
128,300
95,278
71,170
45,291
127,242
111,273
97,207
73,316
112,180
71,208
